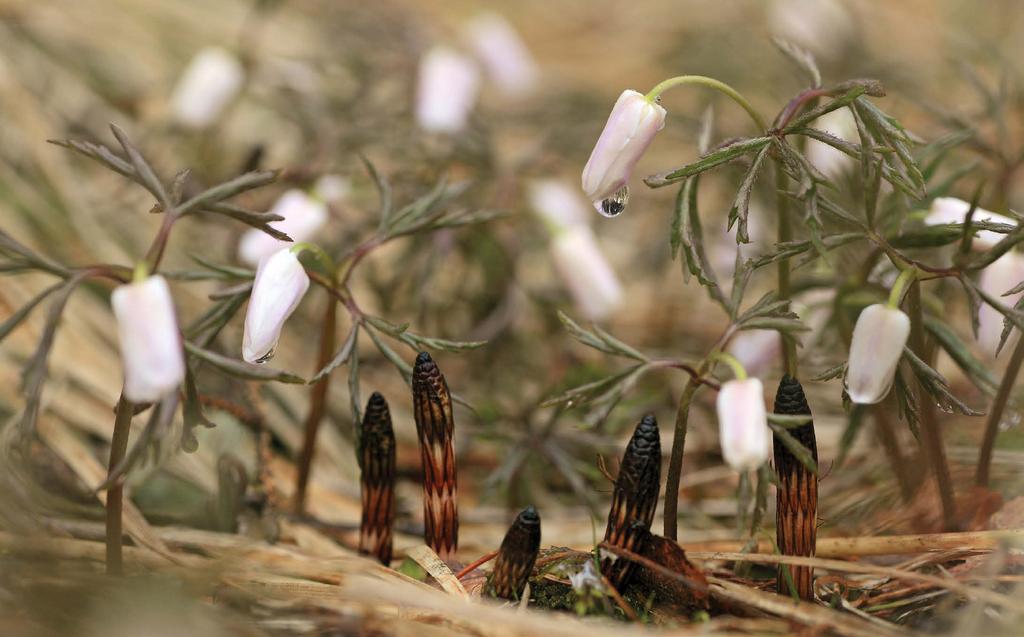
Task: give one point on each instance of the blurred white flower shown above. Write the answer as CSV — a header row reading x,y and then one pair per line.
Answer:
x,y
280,284
332,188
743,424
952,210
759,351
585,271
557,203
586,579
211,81
1002,275
151,348
447,90
878,339
630,129
504,55
303,216
822,26
831,161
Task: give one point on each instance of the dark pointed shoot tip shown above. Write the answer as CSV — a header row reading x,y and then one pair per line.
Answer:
x,y
424,358
529,515
377,400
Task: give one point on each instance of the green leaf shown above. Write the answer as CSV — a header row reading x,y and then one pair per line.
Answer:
x,y
228,189
383,192
801,58
145,173
935,384
340,357
741,204
974,369
602,341
715,158
241,369
688,234
14,320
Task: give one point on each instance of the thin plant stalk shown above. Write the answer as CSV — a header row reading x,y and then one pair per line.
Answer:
x,y
891,446
675,463
995,414
115,494
785,291
317,407
932,436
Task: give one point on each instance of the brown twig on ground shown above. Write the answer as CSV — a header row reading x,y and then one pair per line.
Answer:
x,y
517,556
435,425
634,498
377,482
796,499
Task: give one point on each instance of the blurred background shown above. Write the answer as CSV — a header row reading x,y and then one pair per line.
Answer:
x,y
315,86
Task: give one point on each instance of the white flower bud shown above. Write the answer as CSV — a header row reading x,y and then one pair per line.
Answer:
x,y
151,349
952,210
878,340
303,216
280,284
557,203
504,55
743,424
823,26
585,271
211,81
1002,275
447,90
828,159
630,129
757,350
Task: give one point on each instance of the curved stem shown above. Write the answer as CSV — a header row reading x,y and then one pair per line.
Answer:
x,y
709,82
734,364
905,277
115,494
995,414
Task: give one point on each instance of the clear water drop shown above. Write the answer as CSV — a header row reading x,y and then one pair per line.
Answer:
x,y
615,205
265,358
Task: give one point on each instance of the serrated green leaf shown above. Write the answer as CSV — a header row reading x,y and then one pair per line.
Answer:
x,y
712,159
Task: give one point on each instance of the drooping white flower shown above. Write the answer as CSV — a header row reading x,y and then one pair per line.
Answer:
x,y
447,90
303,216
1002,275
557,203
823,26
828,159
630,129
585,271
743,424
504,55
211,81
280,284
147,329
952,210
878,339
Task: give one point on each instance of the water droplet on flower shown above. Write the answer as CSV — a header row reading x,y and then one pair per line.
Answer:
x,y
615,205
266,357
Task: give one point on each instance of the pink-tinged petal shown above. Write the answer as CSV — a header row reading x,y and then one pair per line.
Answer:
x,y
759,351
630,129
211,81
1001,276
952,210
878,339
504,55
557,203
586,273
147,330
447,90
280,284
743,424
303,217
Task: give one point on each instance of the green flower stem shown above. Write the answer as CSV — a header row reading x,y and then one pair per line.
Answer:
x,y
734,364
931,436
709,82
896,294
115,494
325,259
